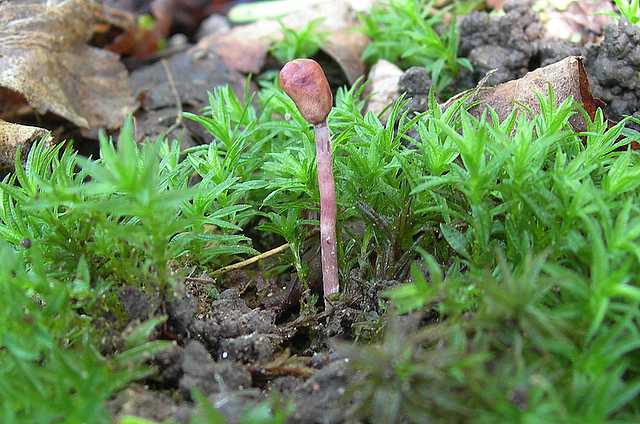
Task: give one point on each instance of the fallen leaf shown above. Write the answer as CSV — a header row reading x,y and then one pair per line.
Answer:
x,y
44,56
245,48
567,78
345,47
383,85
14,137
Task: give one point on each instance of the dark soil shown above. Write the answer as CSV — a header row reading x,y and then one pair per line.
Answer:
x,y
237,356
613,68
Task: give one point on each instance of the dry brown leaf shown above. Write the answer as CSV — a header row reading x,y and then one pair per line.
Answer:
x,y
346,47
14,137
44,57
567,78
245,47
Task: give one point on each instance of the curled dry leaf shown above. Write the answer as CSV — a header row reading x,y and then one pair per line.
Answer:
x,y
567,78
44,56
14,137
245,47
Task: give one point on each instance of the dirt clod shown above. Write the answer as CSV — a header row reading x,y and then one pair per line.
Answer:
x,y
203,373
181,312
506,43
613,69
232,330
141,402
415,84
137,304
319,398
169,364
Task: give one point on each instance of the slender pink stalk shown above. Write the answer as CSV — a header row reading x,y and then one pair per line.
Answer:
x,y
305,82
328,243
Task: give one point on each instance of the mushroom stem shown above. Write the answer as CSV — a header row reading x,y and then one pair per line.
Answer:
x,y
305,82
326,185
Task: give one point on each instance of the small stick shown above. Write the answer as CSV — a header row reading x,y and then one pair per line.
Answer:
x,y
251,260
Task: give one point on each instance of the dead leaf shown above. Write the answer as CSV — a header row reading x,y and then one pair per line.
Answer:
x,y
567,78
44,57
383,85
244,48
14,137
345,47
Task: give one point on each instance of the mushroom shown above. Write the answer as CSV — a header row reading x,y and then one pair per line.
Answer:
x,y
305,82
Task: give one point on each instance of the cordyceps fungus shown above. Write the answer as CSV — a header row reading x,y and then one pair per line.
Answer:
x,y
304,81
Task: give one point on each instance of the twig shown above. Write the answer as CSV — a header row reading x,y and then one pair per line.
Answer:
x,y
251,260
176,96
201,280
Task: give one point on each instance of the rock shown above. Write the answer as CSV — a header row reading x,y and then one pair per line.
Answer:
x,y
383,84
